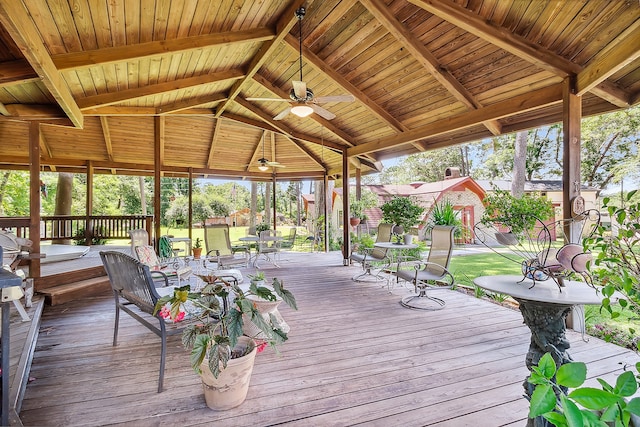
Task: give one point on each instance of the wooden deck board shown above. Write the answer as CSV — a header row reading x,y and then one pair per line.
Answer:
x,y
355,356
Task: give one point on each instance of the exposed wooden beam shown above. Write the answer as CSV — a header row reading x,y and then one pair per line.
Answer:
x,y
257,151
619,53
519,46
536,99
284,25
190,103
309,153
421,54
214,139
106,133
156,89
16,21
44,146
78,60
114,110
16,73
360,96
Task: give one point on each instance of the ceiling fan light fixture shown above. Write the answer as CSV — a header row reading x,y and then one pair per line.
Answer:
x,y
263,167
301,110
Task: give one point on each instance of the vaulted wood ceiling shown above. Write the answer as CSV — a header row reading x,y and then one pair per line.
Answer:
x,y
112,80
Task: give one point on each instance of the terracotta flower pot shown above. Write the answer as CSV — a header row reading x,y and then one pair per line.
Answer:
x,y
197,253
354,221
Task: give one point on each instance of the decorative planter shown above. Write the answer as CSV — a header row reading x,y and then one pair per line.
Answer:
x,y
230,388
407,239
354,222
266,309
506,238
197,253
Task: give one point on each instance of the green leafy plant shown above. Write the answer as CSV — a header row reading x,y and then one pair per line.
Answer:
x,y
258,276
520,213
443,213
584,406
402,211
617,266
214,333
198,243
263,226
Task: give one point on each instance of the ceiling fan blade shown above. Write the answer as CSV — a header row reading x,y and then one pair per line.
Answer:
x,y
300,89
322,112
283,114
275,165
268,99
334,98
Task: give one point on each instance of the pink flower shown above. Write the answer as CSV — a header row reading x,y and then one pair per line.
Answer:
x,y
165,312
261,345
179,317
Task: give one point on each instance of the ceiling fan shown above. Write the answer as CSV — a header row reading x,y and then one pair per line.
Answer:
x,y
264,164
304,100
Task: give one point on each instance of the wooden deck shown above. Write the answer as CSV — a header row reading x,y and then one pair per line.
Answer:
x,y
355,357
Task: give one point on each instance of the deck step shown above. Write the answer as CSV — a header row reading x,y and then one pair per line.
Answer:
x,y
72,276
77,290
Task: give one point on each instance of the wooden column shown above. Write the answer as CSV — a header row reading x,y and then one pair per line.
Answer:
x,y
571,116
273,201
190,212
346,236
158,152
327,219
358,192
34,196
88,210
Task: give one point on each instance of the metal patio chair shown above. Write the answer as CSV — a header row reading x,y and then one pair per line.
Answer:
x,y
372,257
219,248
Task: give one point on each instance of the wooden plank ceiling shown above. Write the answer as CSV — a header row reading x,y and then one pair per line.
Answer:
x,y
111,80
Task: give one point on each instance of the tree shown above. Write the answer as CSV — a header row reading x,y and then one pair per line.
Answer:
x,y
519,164
64,200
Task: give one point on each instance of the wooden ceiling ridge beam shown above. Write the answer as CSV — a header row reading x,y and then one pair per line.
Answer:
x,y
214,140
618,54
417,49
106,133
308,153
284,129
518,104
346,85
16,21
190,103
519,46
78,60
257,152
159,88
16,72
44,145
284,25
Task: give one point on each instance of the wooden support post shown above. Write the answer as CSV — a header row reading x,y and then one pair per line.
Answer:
x,y
571,116
346,236
89,231
158,150
190,213
34,196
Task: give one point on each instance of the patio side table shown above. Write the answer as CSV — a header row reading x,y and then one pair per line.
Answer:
x,y
544,308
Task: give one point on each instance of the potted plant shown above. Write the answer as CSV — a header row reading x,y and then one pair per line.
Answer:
x,y
263,226
257,278
403,212
518,214
220,353
197,248
356,210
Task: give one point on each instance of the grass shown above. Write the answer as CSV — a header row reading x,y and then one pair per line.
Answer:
x,y
623,330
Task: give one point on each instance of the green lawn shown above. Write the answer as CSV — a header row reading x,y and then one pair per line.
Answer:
x,y
622,330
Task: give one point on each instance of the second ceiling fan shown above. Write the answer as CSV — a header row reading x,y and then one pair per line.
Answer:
x,y
304,101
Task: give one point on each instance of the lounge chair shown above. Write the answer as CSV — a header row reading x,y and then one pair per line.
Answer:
x,y
372,257
219,249
431,274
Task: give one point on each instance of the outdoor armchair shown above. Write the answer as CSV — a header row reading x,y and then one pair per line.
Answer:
x,y
371,257
269,246
219,249
173,271
432,273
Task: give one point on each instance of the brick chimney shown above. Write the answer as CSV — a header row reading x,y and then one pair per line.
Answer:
x,y
451,172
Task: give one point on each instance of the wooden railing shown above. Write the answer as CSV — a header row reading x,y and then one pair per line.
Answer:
x,y
61,227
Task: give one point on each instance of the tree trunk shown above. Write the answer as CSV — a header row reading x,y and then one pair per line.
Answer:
x,y
63,201
298,203
3,185
143,195
253,205
267,202
519,164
